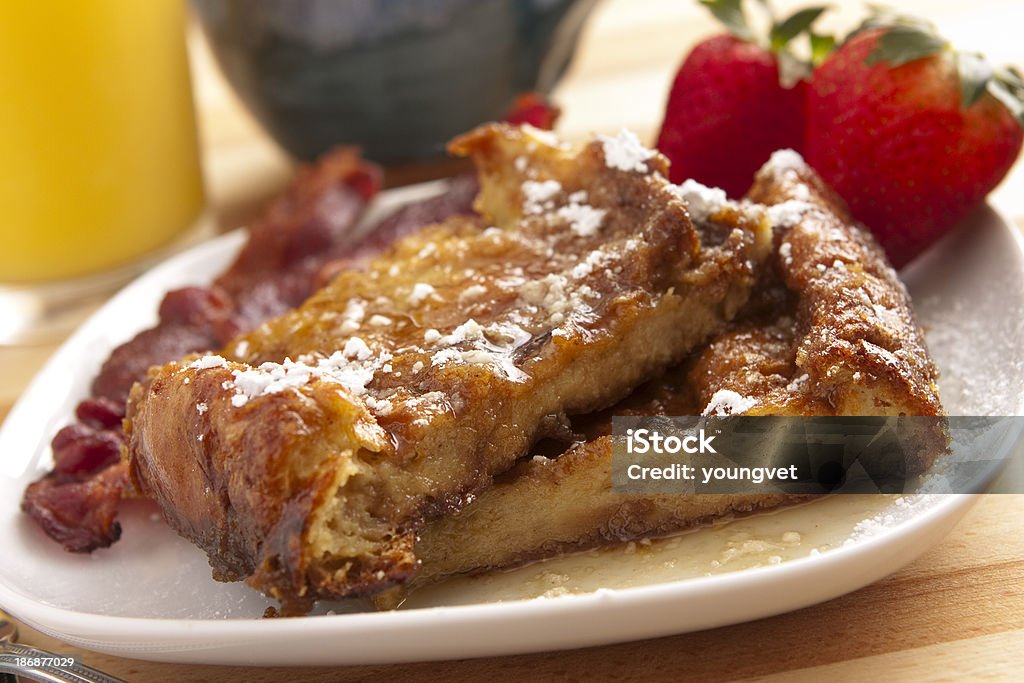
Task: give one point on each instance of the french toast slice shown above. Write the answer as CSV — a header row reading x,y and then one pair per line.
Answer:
x,y
307,456
830,331
857,346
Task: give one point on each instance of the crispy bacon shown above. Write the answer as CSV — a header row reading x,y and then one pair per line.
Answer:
x,y
79,449
189,321
311,224
78,514
100,412
456,199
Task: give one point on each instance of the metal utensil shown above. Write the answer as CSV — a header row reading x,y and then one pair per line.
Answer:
x,y
40,665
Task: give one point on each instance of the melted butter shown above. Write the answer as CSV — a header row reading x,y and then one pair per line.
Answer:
x,y
755,541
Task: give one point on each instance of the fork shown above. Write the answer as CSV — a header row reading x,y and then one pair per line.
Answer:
x,y
40,665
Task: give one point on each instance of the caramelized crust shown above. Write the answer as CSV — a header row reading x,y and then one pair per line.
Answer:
x,y
828,339
414,383
846,343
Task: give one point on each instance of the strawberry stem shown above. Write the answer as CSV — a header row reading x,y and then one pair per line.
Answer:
x,y
821,47
781,35
789,29
730,13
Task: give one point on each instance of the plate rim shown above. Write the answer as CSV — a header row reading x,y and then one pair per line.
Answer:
x,y
215,641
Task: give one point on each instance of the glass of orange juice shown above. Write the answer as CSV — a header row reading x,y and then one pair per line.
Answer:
x,y
99,150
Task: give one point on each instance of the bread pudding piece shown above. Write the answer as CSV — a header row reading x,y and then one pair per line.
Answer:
x,y
830,332
308,455
856,346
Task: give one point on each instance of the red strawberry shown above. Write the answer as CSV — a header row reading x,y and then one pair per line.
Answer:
x,y
911,145
727,113
533,108
727,110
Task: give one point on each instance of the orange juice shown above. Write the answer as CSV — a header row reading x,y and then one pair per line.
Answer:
x,y
97,135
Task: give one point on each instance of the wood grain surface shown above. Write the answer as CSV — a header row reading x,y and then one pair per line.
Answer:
x,y
955,614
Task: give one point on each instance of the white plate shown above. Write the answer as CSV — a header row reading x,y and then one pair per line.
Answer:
x,y
151,595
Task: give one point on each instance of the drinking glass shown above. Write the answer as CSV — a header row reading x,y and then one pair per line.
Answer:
x,y
101,162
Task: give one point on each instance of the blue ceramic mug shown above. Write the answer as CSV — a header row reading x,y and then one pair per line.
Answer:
x,y
397,77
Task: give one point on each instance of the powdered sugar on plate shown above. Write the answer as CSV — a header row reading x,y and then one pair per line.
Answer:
x,y
902,509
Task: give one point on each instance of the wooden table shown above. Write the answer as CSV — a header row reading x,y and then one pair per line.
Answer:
x,y
958,612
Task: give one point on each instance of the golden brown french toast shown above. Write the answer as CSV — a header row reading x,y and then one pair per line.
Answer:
x,y
308,455
856,348
830,332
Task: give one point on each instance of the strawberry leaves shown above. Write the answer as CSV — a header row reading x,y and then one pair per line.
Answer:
x,y
974,73
907,39
781,35
901,44
1007,86
730,13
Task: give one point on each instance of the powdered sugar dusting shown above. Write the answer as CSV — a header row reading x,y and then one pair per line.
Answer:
x,y
491,345
701,201
548,293
783,160
797,384
421,291
584,220
625,152
788,213
538,195
351,368
595,259
352,316
728,402
356,348
902,509
470,330
472,292
207,362
786,253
